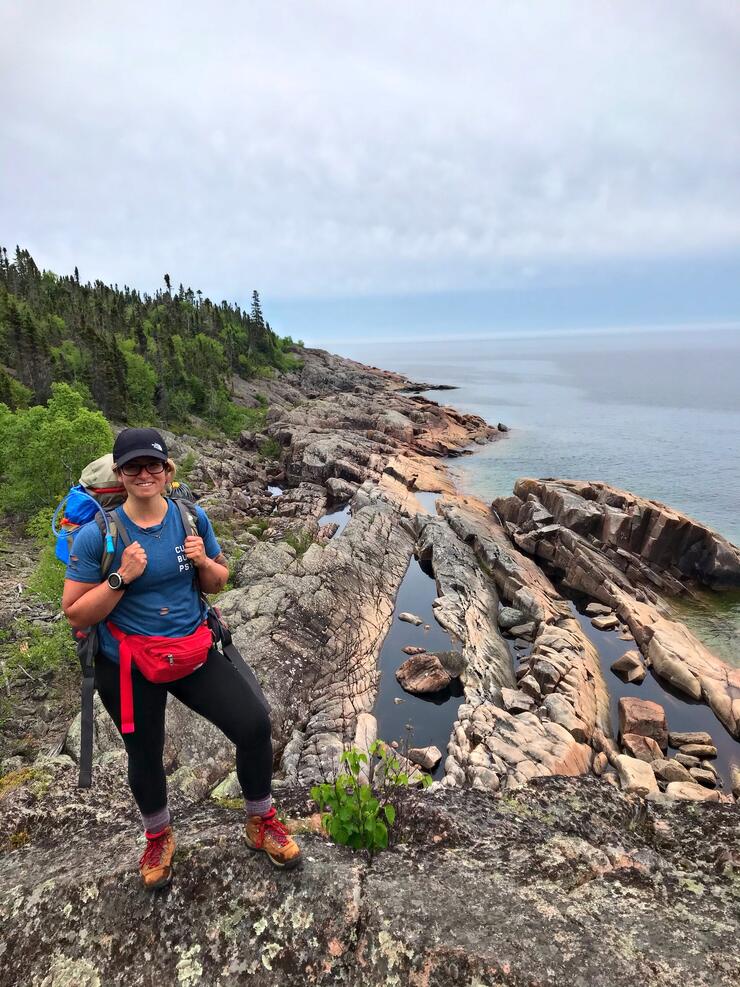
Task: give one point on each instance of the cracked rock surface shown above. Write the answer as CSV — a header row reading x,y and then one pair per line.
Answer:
x,y
567,881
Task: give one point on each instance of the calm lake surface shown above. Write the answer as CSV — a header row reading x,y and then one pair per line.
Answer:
x,y
654,412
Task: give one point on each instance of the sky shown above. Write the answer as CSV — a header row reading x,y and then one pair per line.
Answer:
x,y
384,168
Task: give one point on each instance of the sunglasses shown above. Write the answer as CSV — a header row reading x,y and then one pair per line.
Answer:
x,y
133,469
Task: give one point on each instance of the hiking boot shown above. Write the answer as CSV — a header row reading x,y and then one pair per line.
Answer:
x,y
155,865
268,833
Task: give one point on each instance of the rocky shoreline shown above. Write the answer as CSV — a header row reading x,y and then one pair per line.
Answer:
x,y
310,608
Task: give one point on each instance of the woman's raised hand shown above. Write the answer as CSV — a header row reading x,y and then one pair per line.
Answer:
x,y
195,550
133,562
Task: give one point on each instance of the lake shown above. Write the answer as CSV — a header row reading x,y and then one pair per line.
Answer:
x,y
656,412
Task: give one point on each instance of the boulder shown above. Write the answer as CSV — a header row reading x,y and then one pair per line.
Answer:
x,y
688,760
630,667
516,701
529,684
605,623
410,618
561,711
423,674
525,631
643,717
509,617
680,738
635,776
704,777
426,757
668,770
699,750
598,610
643,748
735,780
453,662
412,649
691,792
600,764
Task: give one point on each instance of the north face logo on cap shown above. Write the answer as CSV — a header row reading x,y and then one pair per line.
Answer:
x,y
156,445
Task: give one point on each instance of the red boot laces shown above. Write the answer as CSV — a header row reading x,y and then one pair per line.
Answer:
x,y
152,856
271,822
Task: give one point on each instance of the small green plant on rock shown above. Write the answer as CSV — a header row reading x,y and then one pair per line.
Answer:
x,y
270,449
354,814
299,541
258,526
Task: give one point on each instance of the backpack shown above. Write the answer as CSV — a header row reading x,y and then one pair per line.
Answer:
x,y
95,496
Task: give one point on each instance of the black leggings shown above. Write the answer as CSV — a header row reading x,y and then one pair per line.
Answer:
x,y
220,693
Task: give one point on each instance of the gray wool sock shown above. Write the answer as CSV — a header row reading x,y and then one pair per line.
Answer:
x,y
155,822
258,807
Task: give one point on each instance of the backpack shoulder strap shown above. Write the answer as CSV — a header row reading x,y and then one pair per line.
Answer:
x,y
188,514
190,524
117,530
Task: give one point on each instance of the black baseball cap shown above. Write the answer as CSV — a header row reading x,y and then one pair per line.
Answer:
x,y
134,442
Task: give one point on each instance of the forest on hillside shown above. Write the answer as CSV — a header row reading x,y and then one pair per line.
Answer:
x,y
139,358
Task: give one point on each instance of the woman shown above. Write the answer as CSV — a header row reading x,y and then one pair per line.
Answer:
x,y
152,591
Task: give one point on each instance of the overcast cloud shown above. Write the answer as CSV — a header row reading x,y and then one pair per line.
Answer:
x,y
322,148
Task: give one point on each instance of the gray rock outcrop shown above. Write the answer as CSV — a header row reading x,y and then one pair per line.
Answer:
x,y
546,859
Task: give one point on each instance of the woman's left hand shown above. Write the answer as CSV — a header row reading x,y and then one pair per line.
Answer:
x,y
195,550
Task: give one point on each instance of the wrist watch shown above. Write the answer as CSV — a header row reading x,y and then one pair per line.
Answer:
x,y
115,581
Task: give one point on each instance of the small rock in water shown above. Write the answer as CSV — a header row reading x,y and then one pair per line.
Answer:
x,y
643,748
699,750
394,745
643,717
398,701
630,667
605,623
422,674
413,649
688,760
681,738
704,777
410,618
426,757
427,627
670,770
598,610
502,428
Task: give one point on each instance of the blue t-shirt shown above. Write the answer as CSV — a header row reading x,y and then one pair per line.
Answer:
x,y
164,600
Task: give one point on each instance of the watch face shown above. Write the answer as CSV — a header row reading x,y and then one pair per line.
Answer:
x,y
115,581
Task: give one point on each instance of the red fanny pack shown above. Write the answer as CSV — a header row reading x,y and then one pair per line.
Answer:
x,y
159,659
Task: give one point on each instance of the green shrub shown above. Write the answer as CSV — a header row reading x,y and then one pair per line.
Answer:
x,y
299,540
43,450
185,467
39,648
358,817
258,526
47,579
270,449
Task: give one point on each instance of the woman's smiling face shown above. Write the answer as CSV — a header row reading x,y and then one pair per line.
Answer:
x,y
144,483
